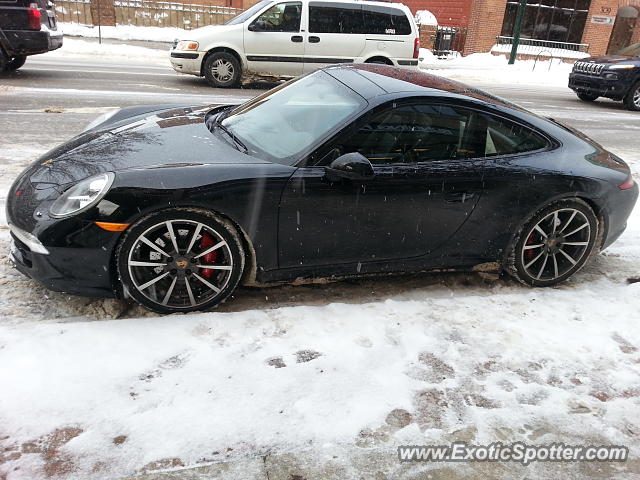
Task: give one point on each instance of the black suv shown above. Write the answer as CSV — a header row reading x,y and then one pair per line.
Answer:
x,y
27,27
612,76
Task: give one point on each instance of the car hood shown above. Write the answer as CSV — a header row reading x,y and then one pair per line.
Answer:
x,y
612,59
204,33
165,138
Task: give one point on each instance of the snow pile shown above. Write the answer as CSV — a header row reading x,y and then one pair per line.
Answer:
x,y
488,68
425,17
82,48
542,51
126,32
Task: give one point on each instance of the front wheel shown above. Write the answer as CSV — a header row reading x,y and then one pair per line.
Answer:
x,y
587,97
222,70
16,62
180,260
632,99
554,244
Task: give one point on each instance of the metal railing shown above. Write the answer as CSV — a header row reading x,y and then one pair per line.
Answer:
x,y
449,40
147,13
74,11
533,46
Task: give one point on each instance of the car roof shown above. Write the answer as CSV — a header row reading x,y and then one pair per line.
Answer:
x,y
388,79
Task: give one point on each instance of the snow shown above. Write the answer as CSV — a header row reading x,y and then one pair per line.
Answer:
x,y
542,51
126,32
425,17
73,47
489,68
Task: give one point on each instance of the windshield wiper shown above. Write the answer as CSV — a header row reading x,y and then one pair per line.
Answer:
x,y
217,123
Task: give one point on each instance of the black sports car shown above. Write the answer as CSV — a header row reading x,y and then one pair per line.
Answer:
x,y
351,170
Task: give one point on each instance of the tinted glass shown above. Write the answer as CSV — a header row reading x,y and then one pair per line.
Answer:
x,y
335,18
381,20
283,17
426,133
281,124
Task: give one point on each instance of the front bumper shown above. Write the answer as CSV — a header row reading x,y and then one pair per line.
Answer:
x,y
187,62
601,86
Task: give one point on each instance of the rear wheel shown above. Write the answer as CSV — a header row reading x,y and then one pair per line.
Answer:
x,y
4,61
222,70
554,244
180,260
632,99
16,62
587,97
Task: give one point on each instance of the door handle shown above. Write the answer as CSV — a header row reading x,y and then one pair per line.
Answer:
x,y
314,39
296,38
459,197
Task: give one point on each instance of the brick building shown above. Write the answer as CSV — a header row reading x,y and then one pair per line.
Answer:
x,y
603,26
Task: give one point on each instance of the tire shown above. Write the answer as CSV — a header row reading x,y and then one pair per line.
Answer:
x,y
632,99
16,62
587,97
222,70
168,281
570,230
4,61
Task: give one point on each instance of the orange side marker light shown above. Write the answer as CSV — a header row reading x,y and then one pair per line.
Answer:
x,y
113,227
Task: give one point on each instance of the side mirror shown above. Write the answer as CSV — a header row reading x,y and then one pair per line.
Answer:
x,y
353,166
257,26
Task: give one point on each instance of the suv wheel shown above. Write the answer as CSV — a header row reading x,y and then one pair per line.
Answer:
x,y
4,61
222,70
632,100
587,97
16,62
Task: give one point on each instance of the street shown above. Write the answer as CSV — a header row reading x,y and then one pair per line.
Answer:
x,y
307,381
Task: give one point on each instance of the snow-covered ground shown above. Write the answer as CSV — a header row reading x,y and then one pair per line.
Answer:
x,y
125,32
75,47
100,389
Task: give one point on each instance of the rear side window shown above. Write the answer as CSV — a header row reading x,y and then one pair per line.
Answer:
x,y
335,18
380,20
502,137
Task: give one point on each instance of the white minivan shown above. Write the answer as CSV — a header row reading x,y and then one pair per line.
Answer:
x,y
289,38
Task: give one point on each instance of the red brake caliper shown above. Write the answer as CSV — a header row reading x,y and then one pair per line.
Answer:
x,y
210,258
530,241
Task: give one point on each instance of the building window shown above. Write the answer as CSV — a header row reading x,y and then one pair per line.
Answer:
x,y
553,20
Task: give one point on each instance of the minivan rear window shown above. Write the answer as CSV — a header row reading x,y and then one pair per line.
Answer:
x,y
381,20
329,17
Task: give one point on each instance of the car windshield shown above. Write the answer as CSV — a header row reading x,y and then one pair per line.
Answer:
x,y
631,50
282,124
244,16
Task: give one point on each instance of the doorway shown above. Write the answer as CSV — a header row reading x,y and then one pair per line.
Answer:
x,y
622,33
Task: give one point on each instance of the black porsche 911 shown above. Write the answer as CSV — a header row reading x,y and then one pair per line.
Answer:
x,y
351,170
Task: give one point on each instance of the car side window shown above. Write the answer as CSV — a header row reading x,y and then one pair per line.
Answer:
x,y
407,134
283,17
503,137
335,18
382,20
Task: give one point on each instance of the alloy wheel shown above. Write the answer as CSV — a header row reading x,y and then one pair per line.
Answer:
x,y
556,244
222,70
636,98
180,264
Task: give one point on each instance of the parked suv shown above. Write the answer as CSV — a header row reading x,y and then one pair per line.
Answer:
x,y
288,38
27,27
612,76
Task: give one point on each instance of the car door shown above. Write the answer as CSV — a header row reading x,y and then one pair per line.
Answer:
x,y
273,42
425,187
336,34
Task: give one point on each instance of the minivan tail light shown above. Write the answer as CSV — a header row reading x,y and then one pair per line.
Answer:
x,y
33,16
416,47
627,184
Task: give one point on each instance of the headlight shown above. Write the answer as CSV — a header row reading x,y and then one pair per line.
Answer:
x,y
623,66
82,195
101,119
187,45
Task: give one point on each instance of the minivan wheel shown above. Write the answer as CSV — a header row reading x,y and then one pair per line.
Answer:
x,y
554,244
587,97
222,70
16,62
632,99
180,260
